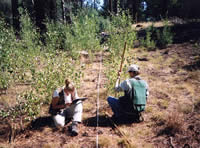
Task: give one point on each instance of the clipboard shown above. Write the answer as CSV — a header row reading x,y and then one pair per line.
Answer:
x,y
78,99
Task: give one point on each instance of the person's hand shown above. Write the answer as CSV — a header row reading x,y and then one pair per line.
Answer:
x,y
119,74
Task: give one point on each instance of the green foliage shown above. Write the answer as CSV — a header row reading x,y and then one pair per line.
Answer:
x,y
44,68
120,31
30,38
148,42
57,68
6,43
55,36
29,104
81,34
157,38
165,37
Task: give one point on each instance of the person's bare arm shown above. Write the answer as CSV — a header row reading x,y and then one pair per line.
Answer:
x,y
55,102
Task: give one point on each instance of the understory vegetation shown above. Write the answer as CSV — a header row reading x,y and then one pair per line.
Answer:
x,y
157,37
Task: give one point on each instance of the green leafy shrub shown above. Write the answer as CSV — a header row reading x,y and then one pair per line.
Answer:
x,y
120,31
6,52
148,41
157,37
55,36
81,34
29,36
164,37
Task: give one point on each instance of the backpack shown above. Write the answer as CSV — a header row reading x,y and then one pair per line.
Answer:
x,y
138,95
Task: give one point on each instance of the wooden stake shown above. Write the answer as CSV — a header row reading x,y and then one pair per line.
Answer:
x,y
122,61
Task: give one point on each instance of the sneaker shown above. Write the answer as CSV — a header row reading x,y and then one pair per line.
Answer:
x,y
74,129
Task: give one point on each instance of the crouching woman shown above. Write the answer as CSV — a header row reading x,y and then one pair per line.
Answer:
x,y
62,109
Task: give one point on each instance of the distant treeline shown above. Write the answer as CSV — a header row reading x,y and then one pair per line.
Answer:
x,y
39,10
143,10
60,10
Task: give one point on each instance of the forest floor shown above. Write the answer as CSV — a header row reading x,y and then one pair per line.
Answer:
x,y
172,116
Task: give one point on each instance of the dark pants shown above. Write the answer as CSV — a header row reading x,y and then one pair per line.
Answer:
x,y
120,111
115,106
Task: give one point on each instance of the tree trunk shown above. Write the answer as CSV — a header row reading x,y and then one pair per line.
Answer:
x,y
81,3
115,5
164,7
111,6
15,14
94,4
63,11
134,8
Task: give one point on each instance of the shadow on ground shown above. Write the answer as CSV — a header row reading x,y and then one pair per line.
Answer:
x,y
41,122
105,121
193,66
92,121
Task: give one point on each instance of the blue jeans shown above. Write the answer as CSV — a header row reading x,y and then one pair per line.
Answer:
x,y
115,106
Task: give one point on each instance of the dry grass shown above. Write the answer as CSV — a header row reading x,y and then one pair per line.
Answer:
x,y
197,104
195,75
72,145
88,106
185,108
174,123
149,109
158,117
51,145
123,143
105,141
163,104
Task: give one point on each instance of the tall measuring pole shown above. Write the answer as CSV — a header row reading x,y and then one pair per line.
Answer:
x,y
121,65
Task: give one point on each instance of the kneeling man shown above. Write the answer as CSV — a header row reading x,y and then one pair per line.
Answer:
x,y
135,95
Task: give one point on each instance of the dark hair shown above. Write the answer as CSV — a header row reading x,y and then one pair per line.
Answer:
x,y
135,72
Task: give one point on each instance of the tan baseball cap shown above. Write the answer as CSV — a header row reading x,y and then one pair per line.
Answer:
x,y
133,68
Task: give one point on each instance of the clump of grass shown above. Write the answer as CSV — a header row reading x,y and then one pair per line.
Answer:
x,y
158,117
197,104
123,143
163,104
174,123
72,145
186,109
50,145
88,106
104,142
149,109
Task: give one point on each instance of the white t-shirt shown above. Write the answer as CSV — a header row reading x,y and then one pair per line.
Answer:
x,y
67,98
